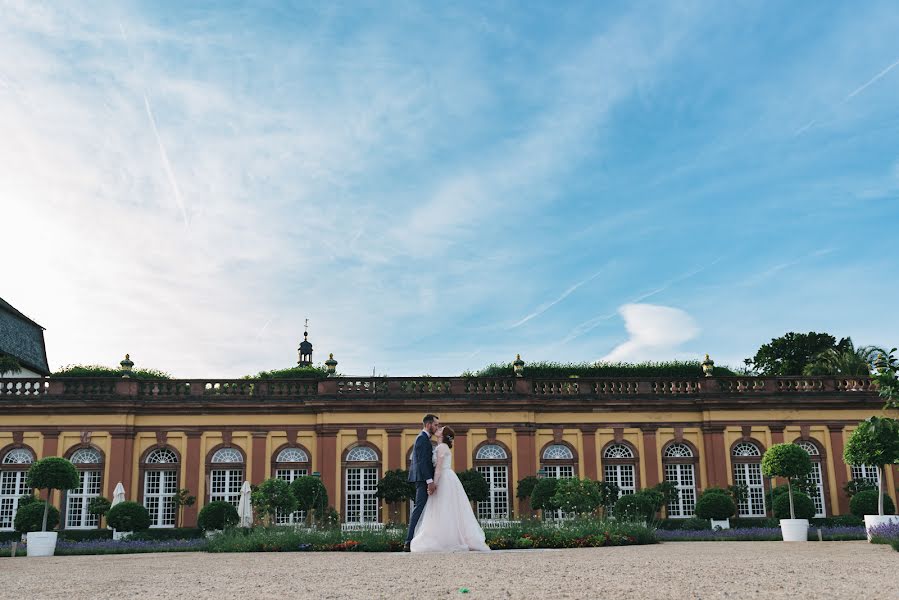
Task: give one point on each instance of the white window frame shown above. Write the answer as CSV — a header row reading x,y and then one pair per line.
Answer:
x,y
678,473
817,477
160,485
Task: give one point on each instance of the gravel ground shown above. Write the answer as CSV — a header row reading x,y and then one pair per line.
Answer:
x,y
672,570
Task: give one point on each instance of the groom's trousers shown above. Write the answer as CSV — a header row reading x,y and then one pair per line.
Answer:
x,y
421,498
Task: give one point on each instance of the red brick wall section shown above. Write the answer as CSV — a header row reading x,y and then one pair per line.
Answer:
x,y
259,458
327,464
650,458
394,449
460,450
121,459
590,456
839,468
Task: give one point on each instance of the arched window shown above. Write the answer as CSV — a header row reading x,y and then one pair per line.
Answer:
x,y
558,461
492,461
816,476
679,463
746,458
362,468
620,467
160,483
291,462
89,463
226,475
13,472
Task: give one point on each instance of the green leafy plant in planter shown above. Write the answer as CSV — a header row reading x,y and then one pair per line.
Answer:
x,y
271,497
865,503
874,442
128,516
182,498
639,507
577,496
99,506
476,487
543,496
854,486
311,496
217,515
395,489
30,516
524,489
715,504
803,506
52,473
791,462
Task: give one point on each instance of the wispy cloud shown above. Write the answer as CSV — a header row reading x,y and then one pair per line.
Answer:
x,y
873,80
546,306
654,331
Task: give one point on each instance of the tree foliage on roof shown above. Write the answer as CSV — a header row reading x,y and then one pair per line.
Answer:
x,y
101,371
673,368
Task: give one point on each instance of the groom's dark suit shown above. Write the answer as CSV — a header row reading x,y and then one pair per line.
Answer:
x,y
421,471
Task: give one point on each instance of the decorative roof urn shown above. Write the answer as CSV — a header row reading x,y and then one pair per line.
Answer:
x,y
331,364
708,366
126,367
518,366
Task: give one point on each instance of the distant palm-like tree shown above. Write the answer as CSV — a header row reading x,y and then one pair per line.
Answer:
x,y
845,360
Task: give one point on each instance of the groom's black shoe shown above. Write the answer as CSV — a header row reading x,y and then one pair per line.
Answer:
x,y
406,547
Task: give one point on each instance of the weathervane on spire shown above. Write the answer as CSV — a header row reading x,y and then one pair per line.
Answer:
x,y
305,349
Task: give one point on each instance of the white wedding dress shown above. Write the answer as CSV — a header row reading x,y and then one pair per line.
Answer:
x,y
448,523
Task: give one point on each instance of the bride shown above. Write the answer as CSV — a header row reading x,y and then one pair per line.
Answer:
x,y
448,523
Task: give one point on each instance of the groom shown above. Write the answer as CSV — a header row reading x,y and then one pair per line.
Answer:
x,y
422,472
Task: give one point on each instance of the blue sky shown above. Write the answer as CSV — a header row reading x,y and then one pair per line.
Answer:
x,y
440,187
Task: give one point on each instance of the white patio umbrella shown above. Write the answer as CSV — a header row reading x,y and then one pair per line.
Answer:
x,y
244,507
118,494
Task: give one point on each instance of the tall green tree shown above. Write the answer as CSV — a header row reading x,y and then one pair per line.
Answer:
x,y
874,442
395,488
790,353
8,364
846,361
887,366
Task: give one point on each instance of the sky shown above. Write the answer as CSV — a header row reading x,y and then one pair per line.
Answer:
x,y
439,186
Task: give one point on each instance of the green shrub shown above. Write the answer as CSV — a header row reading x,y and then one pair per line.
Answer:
x,y
865,503
789,461
311,495
52,473
273,496
576,496
600,369
310,372
83,535
715,504
526,487
637,507
217,515
128,516
101,371
895,545
803,506
854,486
99,506
474,484
544,493
179,533
695,524
395,489
31,516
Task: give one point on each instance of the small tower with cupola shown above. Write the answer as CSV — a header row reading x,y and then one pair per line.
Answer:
x,y
305,349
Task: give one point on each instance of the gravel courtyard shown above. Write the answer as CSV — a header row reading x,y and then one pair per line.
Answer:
x,y
671,570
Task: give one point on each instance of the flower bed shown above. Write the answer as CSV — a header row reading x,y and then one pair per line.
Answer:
x,y
586,533
887,533
760,534
101,546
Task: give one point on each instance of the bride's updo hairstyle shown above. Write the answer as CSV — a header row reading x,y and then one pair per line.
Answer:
x,y
448,435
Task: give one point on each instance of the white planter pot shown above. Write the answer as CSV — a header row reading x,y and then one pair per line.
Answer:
x,y
120,535
725,524
41,543
794,530
875,520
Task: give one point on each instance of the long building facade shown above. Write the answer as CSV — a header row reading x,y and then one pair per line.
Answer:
x,y
209,436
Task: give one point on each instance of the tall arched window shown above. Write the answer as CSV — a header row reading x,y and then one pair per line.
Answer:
x,y
89,463
492,461
620,467
679,463
362,466
226,475
13,472
160,481
746,458
291,462
816,476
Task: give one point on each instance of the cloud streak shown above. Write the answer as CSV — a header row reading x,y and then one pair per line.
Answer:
x,y
546,306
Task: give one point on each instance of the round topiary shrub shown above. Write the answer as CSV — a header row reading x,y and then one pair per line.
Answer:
x,y
802,504
128,516
30,517
217,515
716,505
865,503
543,493
634,507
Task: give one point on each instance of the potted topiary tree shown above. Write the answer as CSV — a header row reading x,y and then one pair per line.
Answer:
x,y
524,489
99,506
312,497
51,473
30,515
395,489
542,497
636,508
217,516
126,518
717,505
476,487
271,497
789,461
577,496
875,442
